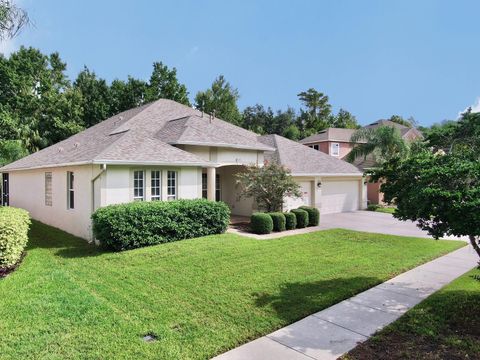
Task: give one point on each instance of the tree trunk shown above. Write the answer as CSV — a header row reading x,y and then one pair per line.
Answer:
x,y
474,242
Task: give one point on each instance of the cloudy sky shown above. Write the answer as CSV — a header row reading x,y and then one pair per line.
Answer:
x,y
373,58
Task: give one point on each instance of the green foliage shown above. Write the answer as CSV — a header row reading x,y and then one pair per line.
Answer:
x,y
261,223
290,221
220,100
313,215
400,120
164,85
268,185
372,207
138,224
441,192
11,150
302,218
343,119
14,225
279,220
384,142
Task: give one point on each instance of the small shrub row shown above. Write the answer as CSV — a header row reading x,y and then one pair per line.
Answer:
x,y
14,225
138,224
265,223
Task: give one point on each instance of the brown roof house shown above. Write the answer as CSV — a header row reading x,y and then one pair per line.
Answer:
x,y
166,151
336,142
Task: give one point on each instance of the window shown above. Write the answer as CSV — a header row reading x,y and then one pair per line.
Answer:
x,y
48,189
335,149
314,147
138,185
171,185
218,188
70,190
155,184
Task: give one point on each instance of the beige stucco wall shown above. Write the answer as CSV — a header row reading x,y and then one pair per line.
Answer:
x,y
27,191
226,156
230,191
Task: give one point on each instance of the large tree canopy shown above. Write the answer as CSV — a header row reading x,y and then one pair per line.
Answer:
x,y
12,19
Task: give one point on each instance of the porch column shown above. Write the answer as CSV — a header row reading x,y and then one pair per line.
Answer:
x,y
211,178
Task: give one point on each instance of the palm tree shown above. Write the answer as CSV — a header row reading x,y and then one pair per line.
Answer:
x,y
383,142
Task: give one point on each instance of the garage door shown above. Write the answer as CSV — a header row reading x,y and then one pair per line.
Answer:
x,y
339,196
305,199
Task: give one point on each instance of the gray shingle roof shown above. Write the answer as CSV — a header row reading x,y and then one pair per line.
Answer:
x,y
137,135
303,160
330,134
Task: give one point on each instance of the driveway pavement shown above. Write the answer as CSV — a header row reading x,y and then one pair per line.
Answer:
x,y
375,222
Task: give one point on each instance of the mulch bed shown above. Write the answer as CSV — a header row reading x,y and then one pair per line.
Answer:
x,y
243,226
6,271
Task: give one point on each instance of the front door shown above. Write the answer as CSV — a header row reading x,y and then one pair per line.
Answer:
x,y
5,199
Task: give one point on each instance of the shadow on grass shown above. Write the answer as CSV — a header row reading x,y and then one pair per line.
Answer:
x,y
60,242
298,300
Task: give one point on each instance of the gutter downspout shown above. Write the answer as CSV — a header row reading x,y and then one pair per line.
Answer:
x,y
103,168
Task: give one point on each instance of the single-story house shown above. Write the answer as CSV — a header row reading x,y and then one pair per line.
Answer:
x,y
166,151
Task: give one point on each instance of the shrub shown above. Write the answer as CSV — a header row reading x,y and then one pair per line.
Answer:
x,y
302,217
14,225
137,224
261,223
278,221
290,221
313,215
372,207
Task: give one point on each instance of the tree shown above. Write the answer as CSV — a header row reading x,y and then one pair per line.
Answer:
x,y
440,192
11,150
221,100
164,85
384,142
12,19
400,120
343,119
127,95
440,136
95,97
258,119
268,185
315,117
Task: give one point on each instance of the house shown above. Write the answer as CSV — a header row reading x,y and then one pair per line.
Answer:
x,y
166,151
336,142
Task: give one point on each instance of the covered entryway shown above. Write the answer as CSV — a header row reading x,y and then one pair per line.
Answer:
x,y
339,196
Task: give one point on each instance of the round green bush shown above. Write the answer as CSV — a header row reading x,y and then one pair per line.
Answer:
x,y
290,221
278,221
261,223
302,218
14,225
313,215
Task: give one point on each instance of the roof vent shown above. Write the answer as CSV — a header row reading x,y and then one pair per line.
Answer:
x,y
60,149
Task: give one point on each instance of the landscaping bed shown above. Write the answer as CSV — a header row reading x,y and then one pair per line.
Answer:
x,y
444,326
190,299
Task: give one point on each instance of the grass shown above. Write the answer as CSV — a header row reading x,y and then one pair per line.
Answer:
x,y
386,210
200,297
445,326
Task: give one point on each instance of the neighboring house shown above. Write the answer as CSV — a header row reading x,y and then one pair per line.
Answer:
x,y
336,142
166,151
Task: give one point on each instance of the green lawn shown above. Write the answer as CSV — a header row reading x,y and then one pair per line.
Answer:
x,y
70,300
387,210
445,326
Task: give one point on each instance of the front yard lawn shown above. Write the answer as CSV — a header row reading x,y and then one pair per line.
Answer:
x,y
199,297
445,326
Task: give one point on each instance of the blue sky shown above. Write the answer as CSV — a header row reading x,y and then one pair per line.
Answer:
x,y
374,58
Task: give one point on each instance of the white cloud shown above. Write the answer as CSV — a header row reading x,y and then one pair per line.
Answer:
x,y
475,107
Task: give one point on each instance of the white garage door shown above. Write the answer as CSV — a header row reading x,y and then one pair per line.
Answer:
x,y
305,199
339,196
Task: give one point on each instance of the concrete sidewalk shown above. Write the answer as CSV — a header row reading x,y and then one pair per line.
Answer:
x,y
336,330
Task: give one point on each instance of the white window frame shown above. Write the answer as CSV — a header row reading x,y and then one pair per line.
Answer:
x,y
138,185
48,189
156,185
70,190
172,185
335,146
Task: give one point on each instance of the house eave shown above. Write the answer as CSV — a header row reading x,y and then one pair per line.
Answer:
x,y
155,163
222,145
327,174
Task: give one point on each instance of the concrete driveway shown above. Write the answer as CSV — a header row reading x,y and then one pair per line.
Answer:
x,y
374,222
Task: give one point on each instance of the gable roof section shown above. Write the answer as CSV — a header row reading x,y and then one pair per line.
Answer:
x,y
330,134
302,160
142,135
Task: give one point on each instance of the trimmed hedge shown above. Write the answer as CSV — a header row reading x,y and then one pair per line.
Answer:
x,y
313,215
261,223
138,224
14,225
290,221
302,217
278,221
